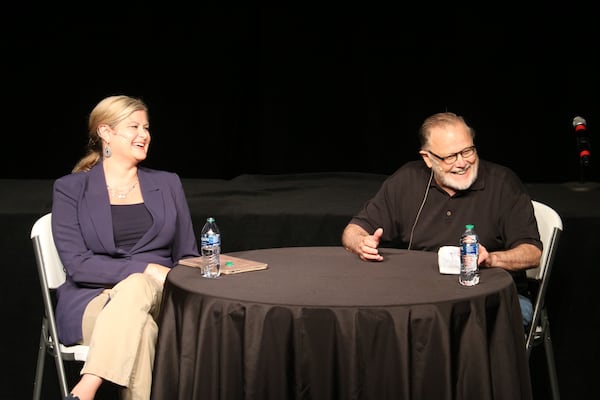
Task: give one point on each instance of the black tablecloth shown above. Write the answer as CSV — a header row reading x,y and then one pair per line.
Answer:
x,y
321,324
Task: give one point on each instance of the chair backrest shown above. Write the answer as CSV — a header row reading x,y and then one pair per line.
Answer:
x,y
45,252
550,227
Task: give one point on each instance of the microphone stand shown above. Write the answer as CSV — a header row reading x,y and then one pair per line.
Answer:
x,y
582,185
581,172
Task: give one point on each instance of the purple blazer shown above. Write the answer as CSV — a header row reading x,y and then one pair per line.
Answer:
x,y
83,232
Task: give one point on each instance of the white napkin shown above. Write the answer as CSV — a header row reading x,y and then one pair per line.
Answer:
x,y
449,260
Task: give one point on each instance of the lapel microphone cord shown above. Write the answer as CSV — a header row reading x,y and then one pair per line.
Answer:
x,y
412,231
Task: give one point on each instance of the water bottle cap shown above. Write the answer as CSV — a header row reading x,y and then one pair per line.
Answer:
x,y
210,219
469,226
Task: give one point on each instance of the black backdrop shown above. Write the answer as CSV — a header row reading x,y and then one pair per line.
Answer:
x,y
268,89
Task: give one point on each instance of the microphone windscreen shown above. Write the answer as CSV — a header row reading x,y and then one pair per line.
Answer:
x,y
578,121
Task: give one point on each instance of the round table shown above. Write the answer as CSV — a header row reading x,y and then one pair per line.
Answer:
x,y
319,323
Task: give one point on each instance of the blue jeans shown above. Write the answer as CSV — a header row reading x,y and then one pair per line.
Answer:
x,y
526,309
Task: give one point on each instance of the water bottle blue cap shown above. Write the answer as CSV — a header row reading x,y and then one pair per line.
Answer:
x,y
469,226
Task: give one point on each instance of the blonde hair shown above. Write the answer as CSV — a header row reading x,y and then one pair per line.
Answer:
x,y
110,111
441,119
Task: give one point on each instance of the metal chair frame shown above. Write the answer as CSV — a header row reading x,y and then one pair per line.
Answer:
x,y
52,275
550,227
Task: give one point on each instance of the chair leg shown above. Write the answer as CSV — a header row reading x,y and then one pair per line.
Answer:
x,y
52,346
550,360
51,335
39,369
60,370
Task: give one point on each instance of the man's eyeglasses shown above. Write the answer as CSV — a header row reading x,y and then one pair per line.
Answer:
x,y
451,159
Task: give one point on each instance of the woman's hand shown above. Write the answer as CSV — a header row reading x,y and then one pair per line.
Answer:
x,y
157,271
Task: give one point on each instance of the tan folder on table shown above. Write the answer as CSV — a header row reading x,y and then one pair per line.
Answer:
x,y
229,264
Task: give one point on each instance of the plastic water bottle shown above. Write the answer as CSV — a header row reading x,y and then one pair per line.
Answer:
x,y
210,248
469,253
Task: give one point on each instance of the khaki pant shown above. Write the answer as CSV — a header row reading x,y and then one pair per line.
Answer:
x,y
119,326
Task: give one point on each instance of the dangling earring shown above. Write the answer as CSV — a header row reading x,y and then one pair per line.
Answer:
x,y
107,151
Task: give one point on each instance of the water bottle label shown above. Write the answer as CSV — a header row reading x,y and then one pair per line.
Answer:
x,y
211,240
470,248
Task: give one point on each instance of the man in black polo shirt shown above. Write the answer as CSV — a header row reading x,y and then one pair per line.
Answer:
x,y
424,206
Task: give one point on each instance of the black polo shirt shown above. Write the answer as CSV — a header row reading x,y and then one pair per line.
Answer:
x,y
497,204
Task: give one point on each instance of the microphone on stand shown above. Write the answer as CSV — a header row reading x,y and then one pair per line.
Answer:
x,y
584,149
584,146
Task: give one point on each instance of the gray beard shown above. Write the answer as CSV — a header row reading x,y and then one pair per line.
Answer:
x,y
452,185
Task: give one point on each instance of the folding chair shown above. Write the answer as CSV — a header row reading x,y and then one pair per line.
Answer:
x,y
52,275
550,227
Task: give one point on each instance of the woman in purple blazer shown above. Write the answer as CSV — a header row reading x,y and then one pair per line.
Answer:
x,y
119,228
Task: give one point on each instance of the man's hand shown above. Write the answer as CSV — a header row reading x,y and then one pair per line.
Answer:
x,y
358,241
484,257
368,247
